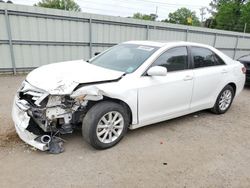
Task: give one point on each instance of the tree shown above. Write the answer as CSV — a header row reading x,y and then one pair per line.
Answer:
x,y
215,4
70,5
183,16
245,16
151,17
1,1
227,14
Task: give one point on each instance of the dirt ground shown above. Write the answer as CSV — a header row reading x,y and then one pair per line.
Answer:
x,y
198,150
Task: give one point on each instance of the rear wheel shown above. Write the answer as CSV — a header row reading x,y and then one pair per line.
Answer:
x,y
224,100
105,124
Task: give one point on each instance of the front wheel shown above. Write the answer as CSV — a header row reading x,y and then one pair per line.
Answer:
x,y
105,124
224,100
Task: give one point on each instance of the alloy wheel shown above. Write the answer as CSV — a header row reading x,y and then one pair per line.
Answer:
x,y
110,127
225,100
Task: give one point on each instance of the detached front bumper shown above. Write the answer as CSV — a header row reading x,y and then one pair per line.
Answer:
x,y
21,120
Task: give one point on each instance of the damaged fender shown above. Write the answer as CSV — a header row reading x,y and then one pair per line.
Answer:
x,y
88,93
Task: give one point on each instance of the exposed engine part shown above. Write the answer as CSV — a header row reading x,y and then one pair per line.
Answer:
x,y
53,114
54,101
66,128
45,139
53,143
58,112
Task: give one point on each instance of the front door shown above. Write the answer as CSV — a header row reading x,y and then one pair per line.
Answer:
x,y
162,96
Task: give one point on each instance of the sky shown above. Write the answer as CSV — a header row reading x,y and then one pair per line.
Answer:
x,y
125,8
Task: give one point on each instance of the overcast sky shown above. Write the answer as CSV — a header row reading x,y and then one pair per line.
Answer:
x,y
128,7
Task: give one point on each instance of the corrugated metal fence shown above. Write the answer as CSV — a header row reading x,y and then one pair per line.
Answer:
x,y
33,36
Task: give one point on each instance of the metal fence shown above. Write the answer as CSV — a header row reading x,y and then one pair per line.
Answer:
x,y
33,36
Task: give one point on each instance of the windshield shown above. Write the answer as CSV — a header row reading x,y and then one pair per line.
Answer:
x,y
124,57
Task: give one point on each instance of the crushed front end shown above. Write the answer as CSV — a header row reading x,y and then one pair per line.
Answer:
x,y
40,117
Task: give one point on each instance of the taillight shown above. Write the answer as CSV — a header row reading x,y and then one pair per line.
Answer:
x,y
244,70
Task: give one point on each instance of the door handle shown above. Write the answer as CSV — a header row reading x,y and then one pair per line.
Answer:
x,y
188,77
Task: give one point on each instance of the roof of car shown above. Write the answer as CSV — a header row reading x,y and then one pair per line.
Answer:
x,y
170,44
164,43
245,58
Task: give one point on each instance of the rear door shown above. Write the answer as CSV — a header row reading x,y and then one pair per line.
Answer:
x,y
209,77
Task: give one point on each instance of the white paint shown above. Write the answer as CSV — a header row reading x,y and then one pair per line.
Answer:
x,y
62,78
151,98
157,71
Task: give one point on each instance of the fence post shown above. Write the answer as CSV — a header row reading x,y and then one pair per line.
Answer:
x,y
90,37
7,20
147,34
236,46
245,27
187,30
215,38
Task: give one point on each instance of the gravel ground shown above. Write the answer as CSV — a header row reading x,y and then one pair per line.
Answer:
x,y
197,150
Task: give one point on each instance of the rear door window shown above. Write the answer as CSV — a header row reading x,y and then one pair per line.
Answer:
x,y
203,57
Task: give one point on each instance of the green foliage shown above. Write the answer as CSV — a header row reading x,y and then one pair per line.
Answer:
x,y
150,17
183,16
70,5
229,15
215,4
245,16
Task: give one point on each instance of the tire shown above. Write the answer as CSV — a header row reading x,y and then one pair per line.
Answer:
x,y
94,126
218,107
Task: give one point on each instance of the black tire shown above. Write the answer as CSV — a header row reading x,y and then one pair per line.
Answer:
x,y
92,118
216,109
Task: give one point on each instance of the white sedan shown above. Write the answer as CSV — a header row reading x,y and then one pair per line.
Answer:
x,y
130,85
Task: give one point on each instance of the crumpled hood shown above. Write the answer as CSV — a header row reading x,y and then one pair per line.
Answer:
x,y
62,78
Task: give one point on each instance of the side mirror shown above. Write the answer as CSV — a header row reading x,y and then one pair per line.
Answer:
x,y
97,53
157,71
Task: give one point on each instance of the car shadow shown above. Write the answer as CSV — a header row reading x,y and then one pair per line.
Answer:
x,y
247,87
171,124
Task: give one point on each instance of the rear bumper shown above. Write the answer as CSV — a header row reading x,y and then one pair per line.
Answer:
x,y
21,120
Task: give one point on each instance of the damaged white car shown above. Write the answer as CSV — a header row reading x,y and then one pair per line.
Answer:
x,y
130,85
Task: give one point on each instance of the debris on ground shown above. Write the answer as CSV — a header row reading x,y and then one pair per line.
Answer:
x,y
9,138
33,149
56,145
